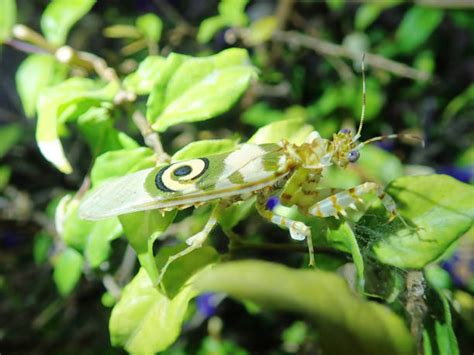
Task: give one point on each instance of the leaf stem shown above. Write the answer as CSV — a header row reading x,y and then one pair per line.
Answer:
x,y
151,138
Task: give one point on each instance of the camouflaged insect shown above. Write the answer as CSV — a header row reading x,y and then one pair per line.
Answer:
x,y
284,170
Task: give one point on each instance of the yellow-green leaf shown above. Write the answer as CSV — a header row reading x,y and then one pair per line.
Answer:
x,y
346,324
145,321
35,73
7,18
439,206
67,270
60,16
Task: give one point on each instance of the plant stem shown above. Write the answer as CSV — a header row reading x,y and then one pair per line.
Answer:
x,y
151,138
416,306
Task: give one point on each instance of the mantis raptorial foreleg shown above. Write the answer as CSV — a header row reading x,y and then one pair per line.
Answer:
x,y
298,230
194,242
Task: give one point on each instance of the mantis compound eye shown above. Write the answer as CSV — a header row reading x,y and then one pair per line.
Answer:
x,y
353,156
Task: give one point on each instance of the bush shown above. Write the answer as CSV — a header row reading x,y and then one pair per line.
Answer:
x,y
121,91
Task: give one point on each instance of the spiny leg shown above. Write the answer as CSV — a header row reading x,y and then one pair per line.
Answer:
x,y
337,204
298,230
194,242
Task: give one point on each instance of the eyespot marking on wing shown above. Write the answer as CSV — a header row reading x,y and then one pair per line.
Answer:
x,y
181,175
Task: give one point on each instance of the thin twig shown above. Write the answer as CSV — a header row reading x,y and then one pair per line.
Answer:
x,y
25,47
111,286
335,50
174,15
28,40
124,272
151,138
283,12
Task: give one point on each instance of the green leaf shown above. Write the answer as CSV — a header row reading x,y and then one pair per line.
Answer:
x,y
341,236
209,27
261,30
151,26
379,165
440,206
9,136
37,72
147,74
181,270
367,13
212,96
466,158
194,70
60,16
438,277
107,300
202,88
204,148
425,61
67,270
294,336
73,230
237,212
216,345
438,335
42,244
139,227
293,130
97,127
416,27
92,237
335,5
7,18
261,114
121,162
141,230
459,102
97,248
62,103
5,173
364,327
156,100
145,321
233,12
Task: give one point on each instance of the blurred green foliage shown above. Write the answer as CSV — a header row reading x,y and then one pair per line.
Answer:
x,y
98,79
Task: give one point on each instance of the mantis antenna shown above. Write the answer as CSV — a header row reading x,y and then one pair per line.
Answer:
x,y
362,113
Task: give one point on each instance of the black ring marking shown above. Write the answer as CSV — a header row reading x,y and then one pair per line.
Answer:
x,y
206,166
178,172
159,180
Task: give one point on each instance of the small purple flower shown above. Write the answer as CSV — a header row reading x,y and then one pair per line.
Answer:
x,y
272,202
207,304
465,174
345,131
460,266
